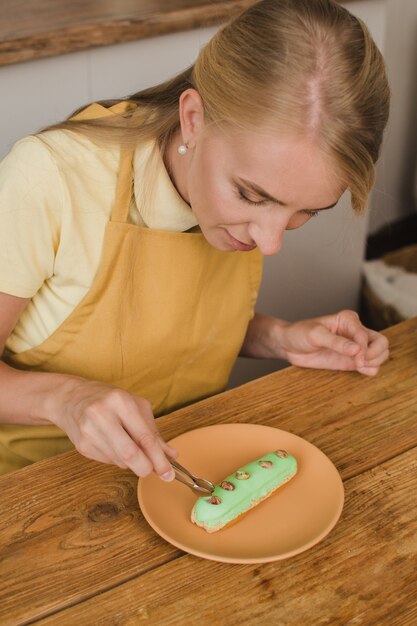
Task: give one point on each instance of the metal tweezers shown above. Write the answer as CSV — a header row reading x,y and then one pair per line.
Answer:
x,y
201,485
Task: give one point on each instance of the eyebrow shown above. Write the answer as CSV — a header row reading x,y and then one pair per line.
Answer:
x,y
264,194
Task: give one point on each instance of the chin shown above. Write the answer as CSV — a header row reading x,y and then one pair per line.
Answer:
x,y
215,241
222,247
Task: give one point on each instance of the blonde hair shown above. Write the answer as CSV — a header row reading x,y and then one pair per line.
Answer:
x,y
300,66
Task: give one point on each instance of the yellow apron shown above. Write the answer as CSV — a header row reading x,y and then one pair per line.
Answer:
x,y
165,318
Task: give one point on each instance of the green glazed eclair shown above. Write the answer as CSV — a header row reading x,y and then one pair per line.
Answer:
x,y
241,491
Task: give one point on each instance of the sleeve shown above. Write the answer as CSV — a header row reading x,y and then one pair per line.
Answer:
x,y
30,215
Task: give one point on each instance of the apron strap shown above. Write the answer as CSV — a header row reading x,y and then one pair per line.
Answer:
x,y
124,187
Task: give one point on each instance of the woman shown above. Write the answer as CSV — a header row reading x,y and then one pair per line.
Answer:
x,y
120,299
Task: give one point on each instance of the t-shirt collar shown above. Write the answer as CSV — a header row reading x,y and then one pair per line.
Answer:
x,y
166,210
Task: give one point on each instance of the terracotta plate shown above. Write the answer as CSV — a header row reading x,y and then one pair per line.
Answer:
x,y
294,519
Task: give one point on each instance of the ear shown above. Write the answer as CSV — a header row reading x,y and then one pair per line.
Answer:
x,y
191,112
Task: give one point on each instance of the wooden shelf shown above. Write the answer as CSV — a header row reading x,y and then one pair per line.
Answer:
x,y
31,29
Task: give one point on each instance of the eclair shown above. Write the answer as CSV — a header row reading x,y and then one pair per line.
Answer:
x,y
244,489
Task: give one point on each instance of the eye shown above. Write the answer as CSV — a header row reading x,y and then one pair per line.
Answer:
x,y
246,199
310,212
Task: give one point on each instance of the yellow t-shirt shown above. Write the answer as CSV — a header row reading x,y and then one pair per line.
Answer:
x,y
57,191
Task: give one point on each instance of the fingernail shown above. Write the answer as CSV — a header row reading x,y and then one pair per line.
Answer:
x,y
168,476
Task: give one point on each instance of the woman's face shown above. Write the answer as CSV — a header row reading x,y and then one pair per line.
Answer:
x,y
247,189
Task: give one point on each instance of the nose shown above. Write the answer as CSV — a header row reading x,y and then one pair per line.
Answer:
x,y
268,243
268,236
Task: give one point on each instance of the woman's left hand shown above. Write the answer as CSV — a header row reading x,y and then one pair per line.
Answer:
x,y
336,342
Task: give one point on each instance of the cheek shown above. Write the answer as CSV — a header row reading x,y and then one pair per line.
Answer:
x,y
298,220
210,191
203,178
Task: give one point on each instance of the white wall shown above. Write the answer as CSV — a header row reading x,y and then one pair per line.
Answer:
x,y
397,168
41,92
319,269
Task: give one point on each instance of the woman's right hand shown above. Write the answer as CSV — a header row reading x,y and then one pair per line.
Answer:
x,y
111,425
104,423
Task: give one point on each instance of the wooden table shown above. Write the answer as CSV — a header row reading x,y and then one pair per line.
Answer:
x,y
75,549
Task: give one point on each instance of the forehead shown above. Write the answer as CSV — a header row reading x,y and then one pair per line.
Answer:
x,y
290,167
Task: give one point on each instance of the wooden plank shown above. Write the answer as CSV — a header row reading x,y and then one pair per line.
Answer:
x,y
73,541
31,29
66,523
363,573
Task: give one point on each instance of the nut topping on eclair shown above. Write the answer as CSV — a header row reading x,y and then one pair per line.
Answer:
x,y
281,453
227,485
214,500
266,464
242,475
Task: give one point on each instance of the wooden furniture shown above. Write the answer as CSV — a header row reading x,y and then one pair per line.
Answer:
x,y
31,29
75,549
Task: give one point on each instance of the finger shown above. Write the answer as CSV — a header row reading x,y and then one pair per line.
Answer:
x,y
324,338
377,346
352,328
146,435
368,371
150,443
378,360
375,353
169,450
126,452
151,421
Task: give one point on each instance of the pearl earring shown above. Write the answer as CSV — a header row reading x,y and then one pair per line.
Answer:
x,y
182,149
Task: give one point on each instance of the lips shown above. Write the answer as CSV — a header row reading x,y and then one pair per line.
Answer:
x,y
239,245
